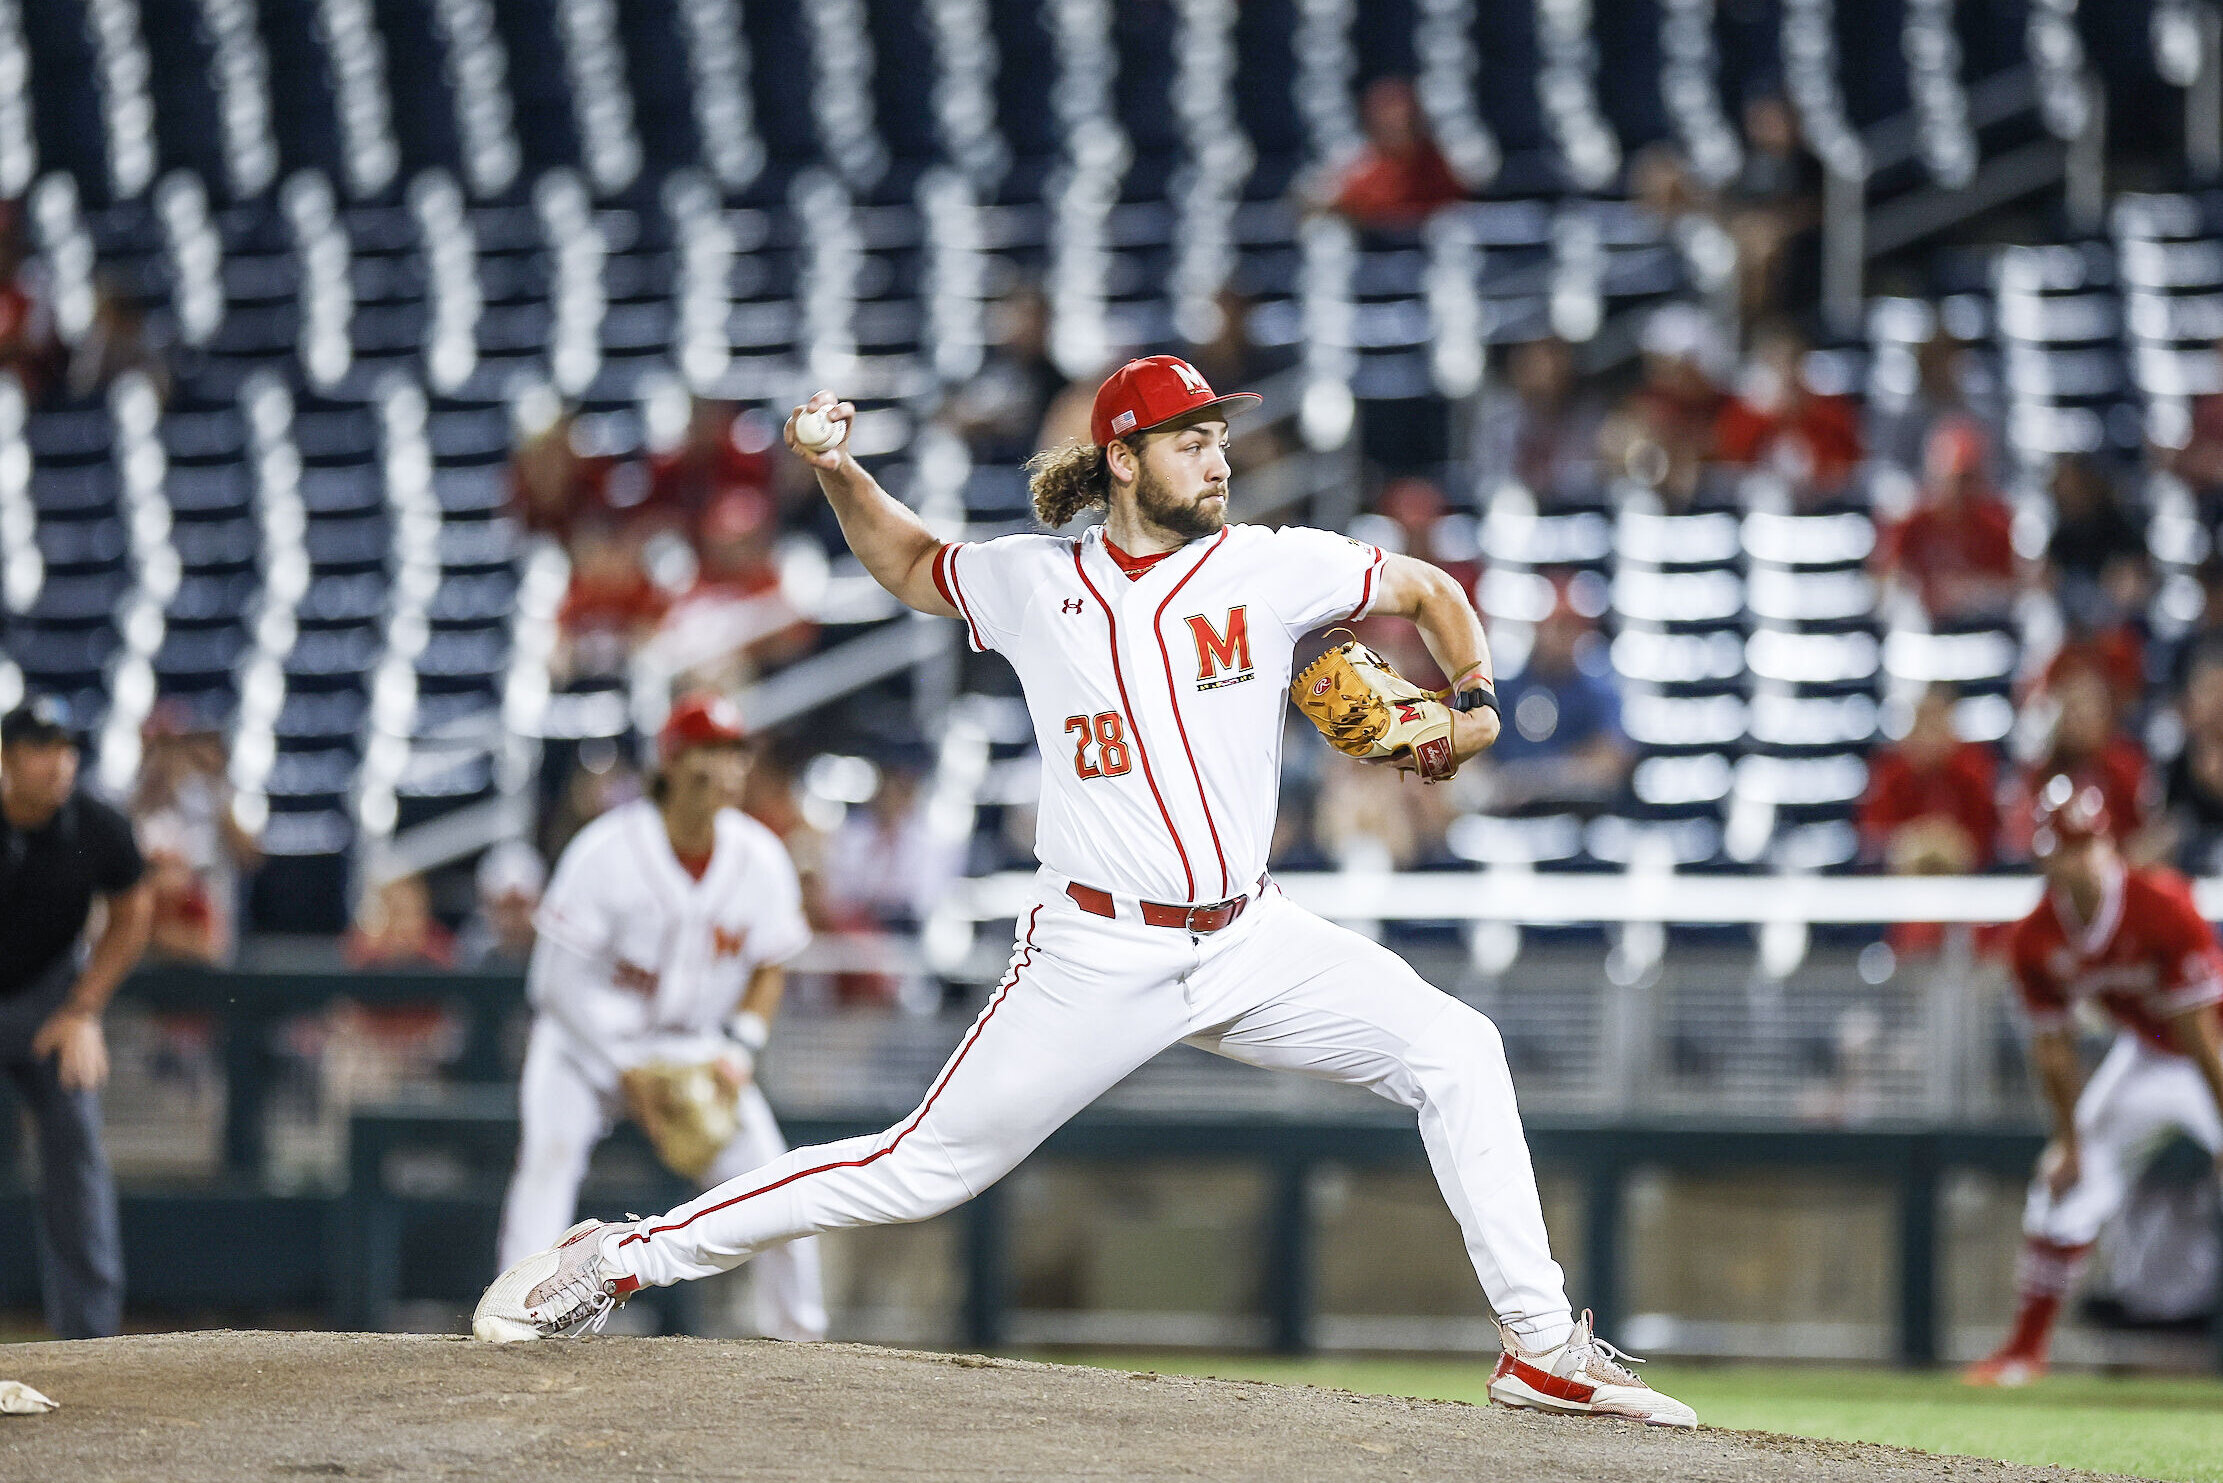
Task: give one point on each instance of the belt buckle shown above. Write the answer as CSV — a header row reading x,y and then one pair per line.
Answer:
x,y
1188,919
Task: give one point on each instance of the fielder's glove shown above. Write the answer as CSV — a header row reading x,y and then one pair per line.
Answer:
x,y
1367,710
690,1113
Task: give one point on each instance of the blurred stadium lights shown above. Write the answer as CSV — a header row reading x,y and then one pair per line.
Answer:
x,y
1690,88
1566,85
1443,40
478,78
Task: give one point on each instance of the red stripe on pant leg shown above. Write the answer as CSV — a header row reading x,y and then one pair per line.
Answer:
x,y
1026,957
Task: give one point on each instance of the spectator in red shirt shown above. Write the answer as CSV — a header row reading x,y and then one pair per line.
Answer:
x,y
1401,178
611,604
1932,805
2090,749
1662,434
1957,549
722,453
1777,421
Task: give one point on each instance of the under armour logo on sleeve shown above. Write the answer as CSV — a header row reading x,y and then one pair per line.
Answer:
x,y
1073,605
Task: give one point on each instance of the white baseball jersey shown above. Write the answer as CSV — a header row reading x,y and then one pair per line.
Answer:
x,y
673,954
1158,701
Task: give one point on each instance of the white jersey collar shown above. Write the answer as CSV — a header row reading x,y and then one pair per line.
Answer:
x,y
2092,937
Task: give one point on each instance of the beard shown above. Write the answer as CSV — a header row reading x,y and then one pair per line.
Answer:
x,y
1189,519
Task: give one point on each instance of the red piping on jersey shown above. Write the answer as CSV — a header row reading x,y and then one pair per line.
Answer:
x,y
1157,626
1003,991
1111,625
953,590
1366,593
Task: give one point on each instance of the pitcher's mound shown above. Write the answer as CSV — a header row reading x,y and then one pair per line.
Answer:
x,y
220,1406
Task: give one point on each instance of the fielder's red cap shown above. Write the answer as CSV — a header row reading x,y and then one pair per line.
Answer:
x,y
699,718
2066,812
1147,393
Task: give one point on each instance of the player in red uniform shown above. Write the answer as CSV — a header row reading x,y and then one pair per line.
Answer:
x,y
2132,941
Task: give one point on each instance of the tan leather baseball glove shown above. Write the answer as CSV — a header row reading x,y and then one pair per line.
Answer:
x,y
689,1112
1367,710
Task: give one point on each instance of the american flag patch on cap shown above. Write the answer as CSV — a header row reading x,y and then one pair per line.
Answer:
x,y
1123,422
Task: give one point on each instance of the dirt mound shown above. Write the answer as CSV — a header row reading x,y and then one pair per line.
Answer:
x,y
189,1407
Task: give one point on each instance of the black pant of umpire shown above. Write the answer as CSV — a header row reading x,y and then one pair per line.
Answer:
x,y
79,1234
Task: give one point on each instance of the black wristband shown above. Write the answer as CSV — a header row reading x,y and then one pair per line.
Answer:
x,y
1481,698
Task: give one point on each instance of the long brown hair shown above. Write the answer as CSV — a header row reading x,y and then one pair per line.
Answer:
x,y
1067,479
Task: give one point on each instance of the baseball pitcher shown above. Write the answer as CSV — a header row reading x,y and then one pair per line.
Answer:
x,y
654,982
1155,651
2132,942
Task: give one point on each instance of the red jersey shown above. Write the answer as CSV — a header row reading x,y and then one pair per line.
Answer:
x,y
1933,545
2146,956
1964,789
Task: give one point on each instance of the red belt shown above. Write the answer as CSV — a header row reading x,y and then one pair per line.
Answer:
x,y
1198,919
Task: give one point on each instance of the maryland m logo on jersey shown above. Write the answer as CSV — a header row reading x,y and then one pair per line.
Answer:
x,y
1225,648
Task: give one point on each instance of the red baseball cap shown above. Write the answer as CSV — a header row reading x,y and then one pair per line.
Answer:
x,y
2066,812
1150,392
699,718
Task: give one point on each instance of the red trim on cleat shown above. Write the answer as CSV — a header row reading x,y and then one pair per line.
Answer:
x,y
1558,1387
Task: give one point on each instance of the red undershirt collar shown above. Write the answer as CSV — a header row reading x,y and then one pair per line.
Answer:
x,y
1133,566
695,865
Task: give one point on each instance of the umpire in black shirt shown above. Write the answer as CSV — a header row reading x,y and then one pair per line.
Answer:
x,y
58,850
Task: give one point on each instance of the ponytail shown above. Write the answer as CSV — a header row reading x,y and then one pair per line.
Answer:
x,y
1067,479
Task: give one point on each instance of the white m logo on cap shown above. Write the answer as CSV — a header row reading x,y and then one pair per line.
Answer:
x,y
1191,379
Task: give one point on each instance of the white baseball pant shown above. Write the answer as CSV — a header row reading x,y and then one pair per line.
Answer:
x,y
2135,1099
1086,1001
564,1113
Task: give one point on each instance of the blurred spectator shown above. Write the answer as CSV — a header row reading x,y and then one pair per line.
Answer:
x,y
2087,746
27,347
1366,819
2200,461
395,928
557,483
1000,409
499,933
723,454
733,618
1562,742
2090,526
2105,630
1949,384
190,834
611,604
2207,630
1777,421
1956,550
2189,834
600,779
1932,806
1539,427
1774,202
885,866
117,341
1400,178
1662,434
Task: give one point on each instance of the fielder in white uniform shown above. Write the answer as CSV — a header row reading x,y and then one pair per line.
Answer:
x,y
661,938
1155,652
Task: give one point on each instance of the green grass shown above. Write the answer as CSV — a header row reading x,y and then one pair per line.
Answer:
x,y
2148,1428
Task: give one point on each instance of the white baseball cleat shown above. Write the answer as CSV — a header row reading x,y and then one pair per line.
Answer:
x,y
1585,1376
564,1291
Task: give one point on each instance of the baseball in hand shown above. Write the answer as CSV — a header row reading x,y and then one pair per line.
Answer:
x,y
816,431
